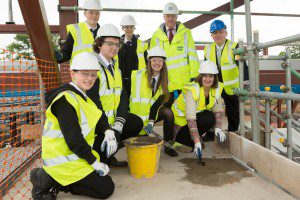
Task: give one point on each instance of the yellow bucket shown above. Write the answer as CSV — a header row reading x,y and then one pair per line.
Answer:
x,y
143,155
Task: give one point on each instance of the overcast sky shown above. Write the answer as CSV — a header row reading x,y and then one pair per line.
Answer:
x,y
270,28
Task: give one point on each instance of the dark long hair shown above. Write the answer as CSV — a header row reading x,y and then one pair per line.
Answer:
x,y
163,78
215,83
98,42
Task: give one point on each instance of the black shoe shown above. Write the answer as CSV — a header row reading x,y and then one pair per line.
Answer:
x,y
42,184
113,162
171,152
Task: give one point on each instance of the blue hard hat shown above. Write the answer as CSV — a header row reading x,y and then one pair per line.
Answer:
x,y
217,25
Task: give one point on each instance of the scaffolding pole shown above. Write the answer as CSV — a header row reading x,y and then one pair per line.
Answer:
x,y
279,42
289,105
254,102
268,141
232,19
241,103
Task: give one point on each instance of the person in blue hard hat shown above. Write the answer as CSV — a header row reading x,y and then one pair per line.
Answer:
x,y
221,53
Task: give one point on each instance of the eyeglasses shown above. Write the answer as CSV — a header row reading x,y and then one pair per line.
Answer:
x,y
84,74
111,44
128,27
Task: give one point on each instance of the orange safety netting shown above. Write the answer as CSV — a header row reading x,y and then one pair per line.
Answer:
x,y
23,83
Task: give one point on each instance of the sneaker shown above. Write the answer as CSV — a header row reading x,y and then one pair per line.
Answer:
x,y
171,152
42,183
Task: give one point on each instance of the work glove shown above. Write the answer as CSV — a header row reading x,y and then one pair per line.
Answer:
x,y
118,126
221,137
198,150
58,55
109,143
149,127
101,168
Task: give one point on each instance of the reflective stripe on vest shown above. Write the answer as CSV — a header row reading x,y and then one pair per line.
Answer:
x,y
80,46
85,130
110,97
231,78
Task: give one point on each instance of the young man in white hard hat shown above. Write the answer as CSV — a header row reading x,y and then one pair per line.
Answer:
x,y
108,92
133,53
81,36
221,53
72,121
199,108
178,43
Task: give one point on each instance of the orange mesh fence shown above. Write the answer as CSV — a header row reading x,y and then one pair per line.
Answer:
x,y
23,83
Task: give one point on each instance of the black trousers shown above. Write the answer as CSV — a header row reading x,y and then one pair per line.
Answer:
x,y
132,128
127,85
232,111
93,185
167,115
205,121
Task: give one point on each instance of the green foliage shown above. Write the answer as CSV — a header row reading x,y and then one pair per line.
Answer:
x,y
22,45
295,51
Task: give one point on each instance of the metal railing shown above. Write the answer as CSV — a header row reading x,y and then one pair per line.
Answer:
x,y
252,51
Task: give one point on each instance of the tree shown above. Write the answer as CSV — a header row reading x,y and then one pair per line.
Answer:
x,y
295,52
22,45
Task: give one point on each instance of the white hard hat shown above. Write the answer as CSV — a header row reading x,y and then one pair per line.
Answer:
x,y
208,67
156,52
92,5
85,61
170,8
108,30
127,20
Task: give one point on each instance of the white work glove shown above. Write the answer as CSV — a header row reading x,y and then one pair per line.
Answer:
x,y
109,143
101,168
198,150
221,137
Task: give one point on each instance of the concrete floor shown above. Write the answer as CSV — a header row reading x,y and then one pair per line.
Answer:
x,y
170,183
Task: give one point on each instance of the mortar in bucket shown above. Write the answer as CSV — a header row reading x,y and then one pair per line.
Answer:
x,y
143,156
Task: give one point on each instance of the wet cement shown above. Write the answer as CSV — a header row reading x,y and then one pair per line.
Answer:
x,y
215,173
142,141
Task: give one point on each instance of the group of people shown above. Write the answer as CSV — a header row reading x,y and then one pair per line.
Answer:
x,y
120,87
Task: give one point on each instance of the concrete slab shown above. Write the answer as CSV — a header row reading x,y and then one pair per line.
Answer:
x,y
277,168
172,183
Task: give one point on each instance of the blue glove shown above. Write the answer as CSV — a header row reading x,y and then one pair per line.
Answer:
x,y
149,127
58,55
198,150
176,94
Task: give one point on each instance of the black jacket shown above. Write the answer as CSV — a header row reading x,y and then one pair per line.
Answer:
x,y
69,123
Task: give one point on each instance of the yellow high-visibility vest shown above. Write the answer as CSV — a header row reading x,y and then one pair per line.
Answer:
x,y
83,38
140,50
141,98
178,106
182,59
59,161
110,93
229,69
